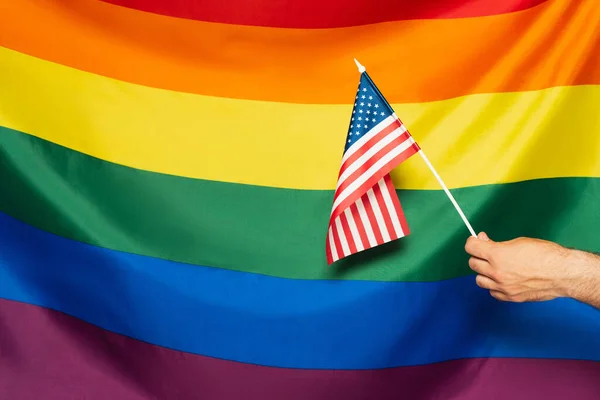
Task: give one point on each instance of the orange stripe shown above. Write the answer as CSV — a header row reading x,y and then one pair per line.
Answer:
x,y
414,61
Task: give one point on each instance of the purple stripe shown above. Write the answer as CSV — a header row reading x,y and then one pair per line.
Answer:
x,y
48,355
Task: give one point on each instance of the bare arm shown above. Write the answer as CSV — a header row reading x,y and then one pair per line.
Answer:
x,y
526,269
587,288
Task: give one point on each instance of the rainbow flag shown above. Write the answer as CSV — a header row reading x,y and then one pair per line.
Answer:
x,y
168,169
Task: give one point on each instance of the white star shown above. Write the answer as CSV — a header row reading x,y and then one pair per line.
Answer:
x,y
351,126
366,127
352,118
349,140
366,119
363,96
368,112
362,104
369,104
365,89
360,119
382,113
358,126
376,105
370,97
360,111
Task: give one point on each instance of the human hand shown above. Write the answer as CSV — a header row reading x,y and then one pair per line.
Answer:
x,y
522,269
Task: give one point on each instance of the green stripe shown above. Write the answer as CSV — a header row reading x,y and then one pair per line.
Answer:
x,y
272,231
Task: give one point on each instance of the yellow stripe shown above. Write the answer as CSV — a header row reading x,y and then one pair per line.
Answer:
x,y
471,140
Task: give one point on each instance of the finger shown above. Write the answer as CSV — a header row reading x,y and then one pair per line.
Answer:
x,y
499,295
483,236
520,297
530,296
485,282
478,248
480,266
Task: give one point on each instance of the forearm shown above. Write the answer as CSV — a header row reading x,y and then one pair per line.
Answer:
x,y
582,280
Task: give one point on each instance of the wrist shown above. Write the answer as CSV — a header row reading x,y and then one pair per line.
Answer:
x,y
582,275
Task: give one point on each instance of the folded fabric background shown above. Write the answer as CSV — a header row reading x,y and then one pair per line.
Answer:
x,y
167,172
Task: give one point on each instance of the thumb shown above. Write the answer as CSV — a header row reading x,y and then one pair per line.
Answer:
x,y
483,236
479,247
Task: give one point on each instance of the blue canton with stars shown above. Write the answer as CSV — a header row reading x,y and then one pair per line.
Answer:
x,y
370,108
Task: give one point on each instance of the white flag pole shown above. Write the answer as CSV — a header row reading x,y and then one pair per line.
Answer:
x,y
441,182
362,69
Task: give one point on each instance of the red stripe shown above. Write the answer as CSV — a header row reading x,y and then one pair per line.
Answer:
x,y
362,232
362,169
399,211
348,233
370,161
336,240
385,169
369,143
384,211
328,245
411,151
323,14
372,219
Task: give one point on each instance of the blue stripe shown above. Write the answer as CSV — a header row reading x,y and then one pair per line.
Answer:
x,y
283,322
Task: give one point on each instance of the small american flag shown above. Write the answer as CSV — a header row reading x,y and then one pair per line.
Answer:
x,y
366,211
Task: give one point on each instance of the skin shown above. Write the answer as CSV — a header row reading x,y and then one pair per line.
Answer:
x,y
527,269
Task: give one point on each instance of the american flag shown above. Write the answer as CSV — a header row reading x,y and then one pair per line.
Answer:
x,y
366,211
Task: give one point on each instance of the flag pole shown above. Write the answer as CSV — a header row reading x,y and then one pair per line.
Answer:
x,y
441,182
362,69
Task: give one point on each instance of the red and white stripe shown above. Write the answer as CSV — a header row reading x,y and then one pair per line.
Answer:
x,y
366,211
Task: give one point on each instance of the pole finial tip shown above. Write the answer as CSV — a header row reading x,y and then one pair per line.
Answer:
x,y
361,69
